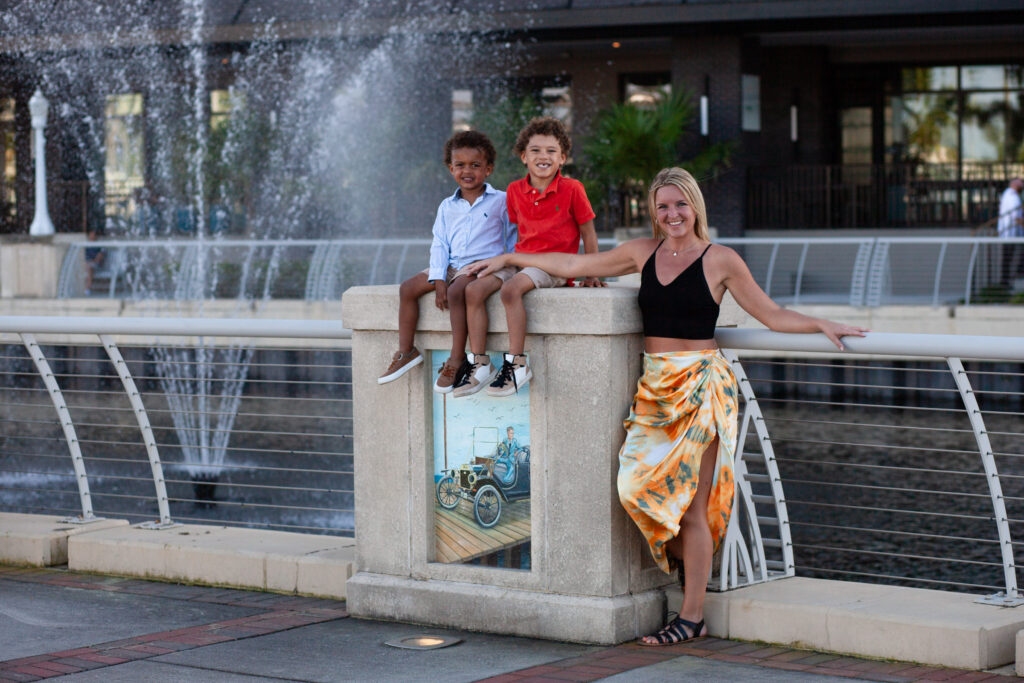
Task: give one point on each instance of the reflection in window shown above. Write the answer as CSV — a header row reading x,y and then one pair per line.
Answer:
x,y
929,78
462,109
124,168
8,165
983,78
855,125
222,104
984,127
556,100
926,124
646,90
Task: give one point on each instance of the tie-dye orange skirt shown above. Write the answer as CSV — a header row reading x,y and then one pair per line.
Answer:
x,y
683,400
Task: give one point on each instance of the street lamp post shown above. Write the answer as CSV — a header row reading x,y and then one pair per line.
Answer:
x,y
41,224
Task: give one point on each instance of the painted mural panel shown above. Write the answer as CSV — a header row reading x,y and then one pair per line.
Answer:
x,y
481,476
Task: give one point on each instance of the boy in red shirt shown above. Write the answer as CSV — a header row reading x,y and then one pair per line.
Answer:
x,y
553,214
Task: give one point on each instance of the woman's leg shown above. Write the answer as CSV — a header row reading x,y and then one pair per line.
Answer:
x,y
694,547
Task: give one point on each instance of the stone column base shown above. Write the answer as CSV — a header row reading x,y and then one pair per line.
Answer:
x,y
475,607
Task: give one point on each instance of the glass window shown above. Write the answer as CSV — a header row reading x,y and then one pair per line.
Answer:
x,y
462,109
646,90
984,127
855,126
8,163
927,125
983,77
125,152
924,79
1015,126
556,100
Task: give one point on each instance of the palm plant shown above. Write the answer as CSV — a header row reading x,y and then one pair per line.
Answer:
x,y
630,144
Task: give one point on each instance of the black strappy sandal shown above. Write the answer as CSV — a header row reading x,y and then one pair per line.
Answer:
x,y
673,633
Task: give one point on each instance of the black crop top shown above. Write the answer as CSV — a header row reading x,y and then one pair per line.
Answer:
x,y
682,309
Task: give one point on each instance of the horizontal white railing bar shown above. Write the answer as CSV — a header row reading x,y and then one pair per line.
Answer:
x,y
877,343
874,343
897,532
176,327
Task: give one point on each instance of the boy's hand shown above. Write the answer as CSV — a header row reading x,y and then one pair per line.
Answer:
x,y
441,294
593,282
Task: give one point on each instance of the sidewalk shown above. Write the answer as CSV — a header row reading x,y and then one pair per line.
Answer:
x,y
86,627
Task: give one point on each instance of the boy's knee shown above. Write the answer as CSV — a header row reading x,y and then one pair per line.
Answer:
x,y
512,291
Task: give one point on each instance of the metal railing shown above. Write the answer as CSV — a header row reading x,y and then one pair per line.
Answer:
x,y
896,461
801,196
188,417
855,271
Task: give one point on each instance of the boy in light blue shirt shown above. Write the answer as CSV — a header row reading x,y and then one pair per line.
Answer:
x,y
472,224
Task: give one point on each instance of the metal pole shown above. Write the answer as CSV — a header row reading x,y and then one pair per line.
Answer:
x,y
148,438
1010,598
64,417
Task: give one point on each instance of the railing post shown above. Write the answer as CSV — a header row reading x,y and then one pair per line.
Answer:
x,y
938,274
1010,598
64,417
148,438
754,416
800,273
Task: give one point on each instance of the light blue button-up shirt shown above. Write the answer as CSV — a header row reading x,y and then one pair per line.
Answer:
x,y
465,233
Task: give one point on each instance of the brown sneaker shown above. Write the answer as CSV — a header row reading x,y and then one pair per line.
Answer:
x,y
400,364
451,374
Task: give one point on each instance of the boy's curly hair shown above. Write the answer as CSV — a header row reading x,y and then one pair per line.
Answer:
x,y
543,125
470,139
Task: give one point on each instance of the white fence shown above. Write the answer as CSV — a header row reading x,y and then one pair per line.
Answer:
x,y
897,461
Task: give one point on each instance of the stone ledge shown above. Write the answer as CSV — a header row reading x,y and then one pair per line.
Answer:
x,y
226,556
888,622
491,609
42,540
610,310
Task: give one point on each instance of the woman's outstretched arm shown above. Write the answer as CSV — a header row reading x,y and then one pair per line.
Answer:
x,y
621,260
752,299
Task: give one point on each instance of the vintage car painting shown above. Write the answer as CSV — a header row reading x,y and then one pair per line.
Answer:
x,y
488,483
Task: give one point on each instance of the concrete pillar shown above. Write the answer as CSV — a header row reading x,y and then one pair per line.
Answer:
x,y
30,269
591,579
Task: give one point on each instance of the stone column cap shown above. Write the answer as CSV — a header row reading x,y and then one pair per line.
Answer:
x,y
609,310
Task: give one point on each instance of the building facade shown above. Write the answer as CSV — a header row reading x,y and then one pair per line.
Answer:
x,y
839,113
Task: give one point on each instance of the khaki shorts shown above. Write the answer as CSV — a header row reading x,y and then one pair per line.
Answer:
x,y
450,275
541,279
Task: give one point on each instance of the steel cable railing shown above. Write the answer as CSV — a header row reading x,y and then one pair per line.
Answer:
x,y
288,464
849,466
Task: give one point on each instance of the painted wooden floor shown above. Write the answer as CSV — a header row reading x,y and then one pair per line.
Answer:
x,y
460,538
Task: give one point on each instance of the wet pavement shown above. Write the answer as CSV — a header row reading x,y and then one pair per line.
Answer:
x,y
83,627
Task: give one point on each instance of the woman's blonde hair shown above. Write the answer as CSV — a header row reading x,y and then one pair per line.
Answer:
x,y
687,184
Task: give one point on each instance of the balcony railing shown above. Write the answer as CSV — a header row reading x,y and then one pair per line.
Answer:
x,y
875,195
895,462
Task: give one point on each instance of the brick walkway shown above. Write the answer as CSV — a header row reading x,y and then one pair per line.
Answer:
x,y
282,612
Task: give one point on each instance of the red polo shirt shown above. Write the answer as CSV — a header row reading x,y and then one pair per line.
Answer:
x,y
549,220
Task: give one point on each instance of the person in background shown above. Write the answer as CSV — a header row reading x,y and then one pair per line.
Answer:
x,y
1011,225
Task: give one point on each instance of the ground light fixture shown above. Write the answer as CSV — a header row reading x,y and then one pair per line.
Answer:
x,y
423,642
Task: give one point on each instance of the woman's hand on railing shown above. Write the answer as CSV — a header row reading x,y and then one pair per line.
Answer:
x,y
836,331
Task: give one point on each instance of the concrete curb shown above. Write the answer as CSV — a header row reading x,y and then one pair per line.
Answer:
x,y
867,620
42,540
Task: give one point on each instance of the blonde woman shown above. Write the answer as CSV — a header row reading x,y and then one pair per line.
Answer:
x,y
675,467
